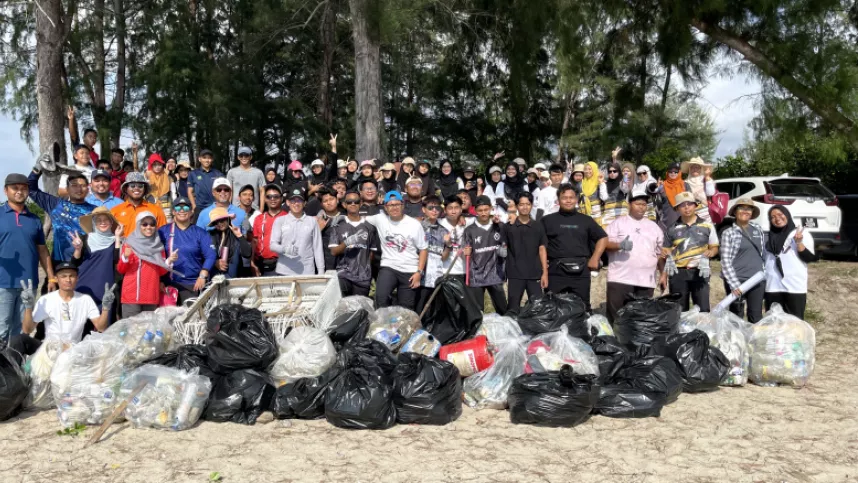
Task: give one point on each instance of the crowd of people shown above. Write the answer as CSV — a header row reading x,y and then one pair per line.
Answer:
x,y
158,237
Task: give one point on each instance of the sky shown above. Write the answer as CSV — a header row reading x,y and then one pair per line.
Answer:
x,y
729,101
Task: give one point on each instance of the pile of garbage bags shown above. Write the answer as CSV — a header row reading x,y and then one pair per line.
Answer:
x,y
13,384
555,398
146,335
393,326
647,322
453,315
552,311
39,367
488,389
170,399
552,351
782,349
498,327
305,352
728,333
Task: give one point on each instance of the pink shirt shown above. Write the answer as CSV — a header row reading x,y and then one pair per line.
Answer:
x,y
639,266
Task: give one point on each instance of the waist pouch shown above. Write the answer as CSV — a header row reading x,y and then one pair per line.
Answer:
x,y
572,266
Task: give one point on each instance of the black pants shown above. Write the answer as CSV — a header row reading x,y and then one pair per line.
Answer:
x,y
496,293
347,287
690,285
389,279
579,286
129,310
752,300
517,287
618,294
792,303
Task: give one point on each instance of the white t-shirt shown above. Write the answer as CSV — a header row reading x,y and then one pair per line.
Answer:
x,y
86,170
64,320
546,201
401,242
795,270
457,234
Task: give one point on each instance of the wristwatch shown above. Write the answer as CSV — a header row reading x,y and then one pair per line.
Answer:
x,y
422,273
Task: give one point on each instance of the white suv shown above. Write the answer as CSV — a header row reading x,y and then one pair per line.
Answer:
x,y
810,203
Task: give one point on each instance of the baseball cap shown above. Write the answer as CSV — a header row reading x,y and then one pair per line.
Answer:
x,y
539,166
204,152
317,162
15,178
408,160
274,186
248,187
367,162
414,180
221,182
684,197
388,167
674,166
392,195
295,166
495,169
64,266
184,164
545,175
642,169
76,175
424,161
296,193
483,201
520,161
468,169
342,164
244,150
100,172
181,201
532,171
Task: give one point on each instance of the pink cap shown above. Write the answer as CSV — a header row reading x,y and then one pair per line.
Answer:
x,y
367,162
296,166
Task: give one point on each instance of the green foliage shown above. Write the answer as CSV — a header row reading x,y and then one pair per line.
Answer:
x,y
215,476
74,431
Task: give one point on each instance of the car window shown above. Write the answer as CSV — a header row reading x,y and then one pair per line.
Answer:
x,y
799,188
725,187
743,187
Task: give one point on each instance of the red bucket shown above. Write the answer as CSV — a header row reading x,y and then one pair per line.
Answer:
x,y
470,356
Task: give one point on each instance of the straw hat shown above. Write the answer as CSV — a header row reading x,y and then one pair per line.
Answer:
x,y
686,165
408,160
87,222
578,168
745,202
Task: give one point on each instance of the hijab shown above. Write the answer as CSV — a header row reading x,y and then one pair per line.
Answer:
x,y
673,187
491,183
449,183
697,186
388,183
513,185
148,248
589,186
277,179
642,184
99,240
159,184
779,236
613,184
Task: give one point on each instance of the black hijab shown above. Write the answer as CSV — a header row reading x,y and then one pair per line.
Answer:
x,y
449,183
277,180
779,236
513,185
613,185
389,183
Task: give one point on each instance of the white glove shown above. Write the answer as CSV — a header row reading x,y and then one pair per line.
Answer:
x,y
703,266
670,266
28,296
626,245
109,297
502,251
291,251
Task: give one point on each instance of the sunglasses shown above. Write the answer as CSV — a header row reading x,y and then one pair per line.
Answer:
x,y
415,185
222,190
273,197
148,224
673,172
613,171
351,202
432,208
182,208
136,186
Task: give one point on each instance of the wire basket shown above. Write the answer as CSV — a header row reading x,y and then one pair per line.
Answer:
x,y
285,302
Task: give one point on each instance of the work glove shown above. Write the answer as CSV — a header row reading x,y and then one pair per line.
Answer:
x,y
703,267
355,239
626,245
28,296
291,251
335,221
502,251
109,297
670,266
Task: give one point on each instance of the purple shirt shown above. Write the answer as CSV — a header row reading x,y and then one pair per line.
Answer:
x,y
637,267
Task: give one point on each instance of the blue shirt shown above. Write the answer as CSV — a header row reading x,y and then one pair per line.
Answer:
x,y
196,252
20,235
64,217
109,203
204,218
202,181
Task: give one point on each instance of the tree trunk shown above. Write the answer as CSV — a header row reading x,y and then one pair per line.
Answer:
x,y
50,35
782,76
323,99
368,120
117,109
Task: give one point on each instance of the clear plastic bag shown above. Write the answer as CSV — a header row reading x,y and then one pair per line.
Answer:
x,y
169,313
305,352
392,326
349,304
728,333
599,325
146,335
488,389
86,379
172,399
551,351
497,328
782,349
39,367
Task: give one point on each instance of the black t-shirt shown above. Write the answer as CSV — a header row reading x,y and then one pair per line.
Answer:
x,y
487,268
353,264
523,242
369,210
313,206
571,235
414,210
330,260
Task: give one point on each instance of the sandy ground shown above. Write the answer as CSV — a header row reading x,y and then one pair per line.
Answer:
x,y
735,434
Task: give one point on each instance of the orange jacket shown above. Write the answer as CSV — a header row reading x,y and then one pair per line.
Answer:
x,y
126,214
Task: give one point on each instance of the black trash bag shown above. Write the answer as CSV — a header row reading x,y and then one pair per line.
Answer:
x,y
239,397
426,390
702,367
349,327
453,315
641,389
187,358
304,398
556,399
647,322
549,312
367,353
14,384
612,356
244,340
361,397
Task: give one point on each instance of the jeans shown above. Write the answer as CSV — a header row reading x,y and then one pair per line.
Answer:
x,y
11,312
